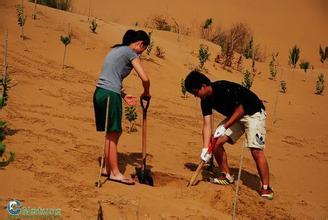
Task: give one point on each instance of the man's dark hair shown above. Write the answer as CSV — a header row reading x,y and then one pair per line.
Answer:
x,y
195,80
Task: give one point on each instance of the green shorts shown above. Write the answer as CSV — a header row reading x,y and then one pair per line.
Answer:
x,y
114,123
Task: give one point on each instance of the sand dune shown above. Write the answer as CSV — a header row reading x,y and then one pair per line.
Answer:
x,y
51,120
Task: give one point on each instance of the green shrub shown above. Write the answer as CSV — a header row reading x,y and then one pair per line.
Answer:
x,y
2,148
208,23
5,85
248,80
183,88
160,23
3,125
294,55
203,55
5,163
323,54
239,63
159,52
66,40
21,19
273,66
305,65
131,115
283,86
248,52
64,5
151,44
320,86
93,25
206,28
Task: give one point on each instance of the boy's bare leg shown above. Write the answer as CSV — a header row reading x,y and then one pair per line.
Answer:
x,y
221,155
261,165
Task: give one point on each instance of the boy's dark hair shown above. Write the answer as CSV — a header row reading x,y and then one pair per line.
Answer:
x,y
132,36
195,80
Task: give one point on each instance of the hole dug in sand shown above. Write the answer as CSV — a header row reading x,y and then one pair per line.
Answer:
x,y
163,179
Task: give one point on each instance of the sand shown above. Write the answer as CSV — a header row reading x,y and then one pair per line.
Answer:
x,y
51,121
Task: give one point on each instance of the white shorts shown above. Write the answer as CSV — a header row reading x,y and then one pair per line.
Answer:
x,y
253,126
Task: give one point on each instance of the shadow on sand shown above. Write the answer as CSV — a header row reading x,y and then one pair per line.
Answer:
x,y
250,180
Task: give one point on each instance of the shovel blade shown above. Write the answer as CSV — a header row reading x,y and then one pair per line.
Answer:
x,y
144,176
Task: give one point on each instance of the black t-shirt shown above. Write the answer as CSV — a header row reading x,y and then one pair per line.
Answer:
x,y
227,96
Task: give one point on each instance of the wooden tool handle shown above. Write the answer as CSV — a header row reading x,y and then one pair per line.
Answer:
x,y
144,127
194,177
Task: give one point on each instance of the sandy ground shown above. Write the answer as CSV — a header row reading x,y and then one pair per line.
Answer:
x,y
51,121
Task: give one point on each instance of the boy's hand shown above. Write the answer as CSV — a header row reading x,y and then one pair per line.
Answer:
x,y
129,99
205,156
145,96
219,131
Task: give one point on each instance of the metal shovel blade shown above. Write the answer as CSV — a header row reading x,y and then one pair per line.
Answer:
x,y
144,176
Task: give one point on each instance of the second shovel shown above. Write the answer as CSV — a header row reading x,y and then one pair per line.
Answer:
x,y
143,173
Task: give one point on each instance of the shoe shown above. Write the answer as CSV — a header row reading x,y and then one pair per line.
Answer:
x,y
266,193
222,180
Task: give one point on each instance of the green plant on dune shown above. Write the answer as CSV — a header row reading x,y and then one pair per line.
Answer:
x,y
21,19
294,55
2,149
206,28
273,66
248,80
34,10
305,65
64,5
6,162
203,55
320,86
283,86
5,85
93,25
323,54
183,88
160,23
3,160
3,125
159,52
151,44
66,40
249,50
131,115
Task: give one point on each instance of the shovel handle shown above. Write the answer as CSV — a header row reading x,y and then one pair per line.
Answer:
x,y
194,177
202,163
142,102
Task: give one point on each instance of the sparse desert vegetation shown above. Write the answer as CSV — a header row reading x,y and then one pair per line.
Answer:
x,y
47,117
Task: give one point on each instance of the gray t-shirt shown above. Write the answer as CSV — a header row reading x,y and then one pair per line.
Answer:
x,y
116,67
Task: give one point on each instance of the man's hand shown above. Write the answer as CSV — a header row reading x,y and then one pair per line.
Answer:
x,y
129,99
219,131
205,155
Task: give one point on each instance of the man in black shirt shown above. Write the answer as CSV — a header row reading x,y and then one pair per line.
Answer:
x,y
245,113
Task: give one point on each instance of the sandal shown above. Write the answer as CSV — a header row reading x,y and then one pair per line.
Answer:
x,y
125,181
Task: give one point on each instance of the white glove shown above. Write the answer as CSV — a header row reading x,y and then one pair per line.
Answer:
x,y
205,156
219,131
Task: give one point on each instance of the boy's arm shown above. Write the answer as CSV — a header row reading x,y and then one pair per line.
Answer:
x,y
238,114
207,130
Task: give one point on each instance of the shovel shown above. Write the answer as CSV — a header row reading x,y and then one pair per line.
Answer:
x,y
202,163
144,174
